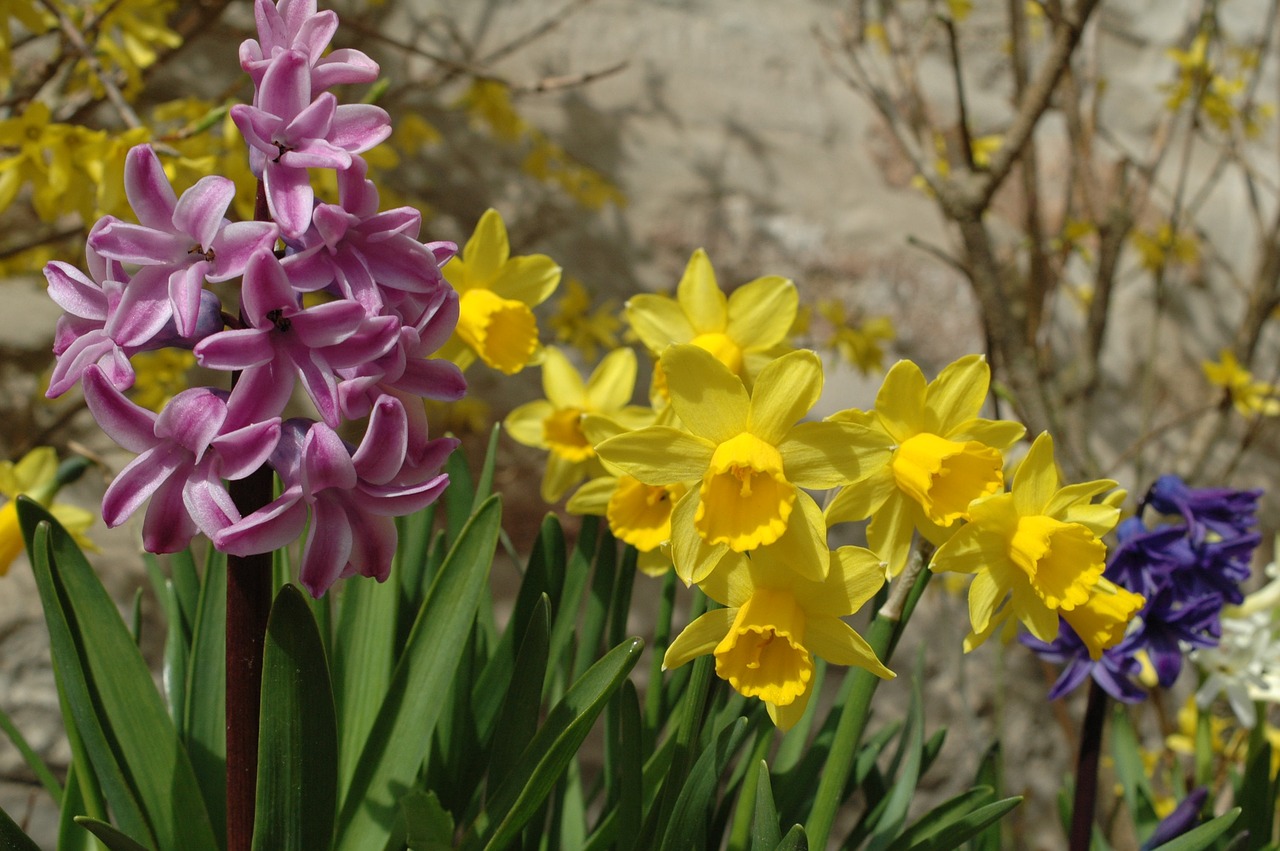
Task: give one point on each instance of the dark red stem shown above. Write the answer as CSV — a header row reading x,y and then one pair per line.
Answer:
x,y
248,605
1086,797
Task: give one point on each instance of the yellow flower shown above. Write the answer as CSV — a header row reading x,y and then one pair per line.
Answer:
x,y
861,346
555,423
744,331
933,456
1163,247
775,621
36,476
159,376
1249,397
1102,619
497,295
578,325
1039,545
748,453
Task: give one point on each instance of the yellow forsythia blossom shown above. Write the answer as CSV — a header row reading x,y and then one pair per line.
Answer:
x,y
1249,397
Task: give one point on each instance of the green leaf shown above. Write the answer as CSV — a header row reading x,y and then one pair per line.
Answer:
x,y
555,744
364,652
11,836
177,653
1132,774
484,485
1204,835
941,817
71,836
898,800
989,774
630,763
459,496
518,720
956,832
1255,793
429,827
765,832
401,735
688,822
135,750
795,840
297,734
109,836
206,724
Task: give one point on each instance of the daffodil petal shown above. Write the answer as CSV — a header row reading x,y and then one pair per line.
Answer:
x,y
530,279
998,434
694,558
784,392
857,417
855,576
1038,618
1036,480
1098,519
900,402
1080,492
659,455
786,717
864,497
734,579
700,296
838,643
889,532
966,552
658,321
592,497
984,594
655,562
38,466
699,638
613,382
762,311
709,399
525,423
560,475
824,455
957,394
486,251
806,538
561,381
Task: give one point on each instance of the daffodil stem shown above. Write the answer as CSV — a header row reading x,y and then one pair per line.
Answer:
x,y
1086,794
882,636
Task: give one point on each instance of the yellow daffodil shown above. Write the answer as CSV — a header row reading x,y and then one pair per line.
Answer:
x,y
587,330
932,457
747,452
775,621
497,295
1040,546
1102,619
555,423
638,514
35,475
1249,397
744,331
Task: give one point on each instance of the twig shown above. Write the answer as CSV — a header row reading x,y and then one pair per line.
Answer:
x,y
127,115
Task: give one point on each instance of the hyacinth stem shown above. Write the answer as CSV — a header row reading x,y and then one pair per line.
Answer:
x,y
248,605
881,635
1086,795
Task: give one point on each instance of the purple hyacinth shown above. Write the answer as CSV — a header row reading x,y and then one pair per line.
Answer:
x,y
1187,571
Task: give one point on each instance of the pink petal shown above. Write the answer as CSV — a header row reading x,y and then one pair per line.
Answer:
x,y
261,393
382,451
326,324
201,209
374,543
266,288
276,525
315,153
236,243
290,197
208,502
328,548
314,35
168,527
343,67
139,244
404,264
185,286
375,338
73,292
433,379
311,269
311,122
192,419
357,127
399,501
239,348
246,449
148,189
326,462
129,425
285,90
141,478
320,383
143,311
257,127
84,352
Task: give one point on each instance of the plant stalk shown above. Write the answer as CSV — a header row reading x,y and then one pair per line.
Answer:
x,y
248,605
1086,794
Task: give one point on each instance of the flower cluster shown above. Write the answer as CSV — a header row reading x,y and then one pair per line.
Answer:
x,y
342,299
1186,571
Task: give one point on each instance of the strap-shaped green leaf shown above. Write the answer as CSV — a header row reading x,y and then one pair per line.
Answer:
x,y
206,727
765,832
135,750
693,807
114,839
555,744
363,660
910,757
795,840
297,734
401,735
518,720
1255,792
